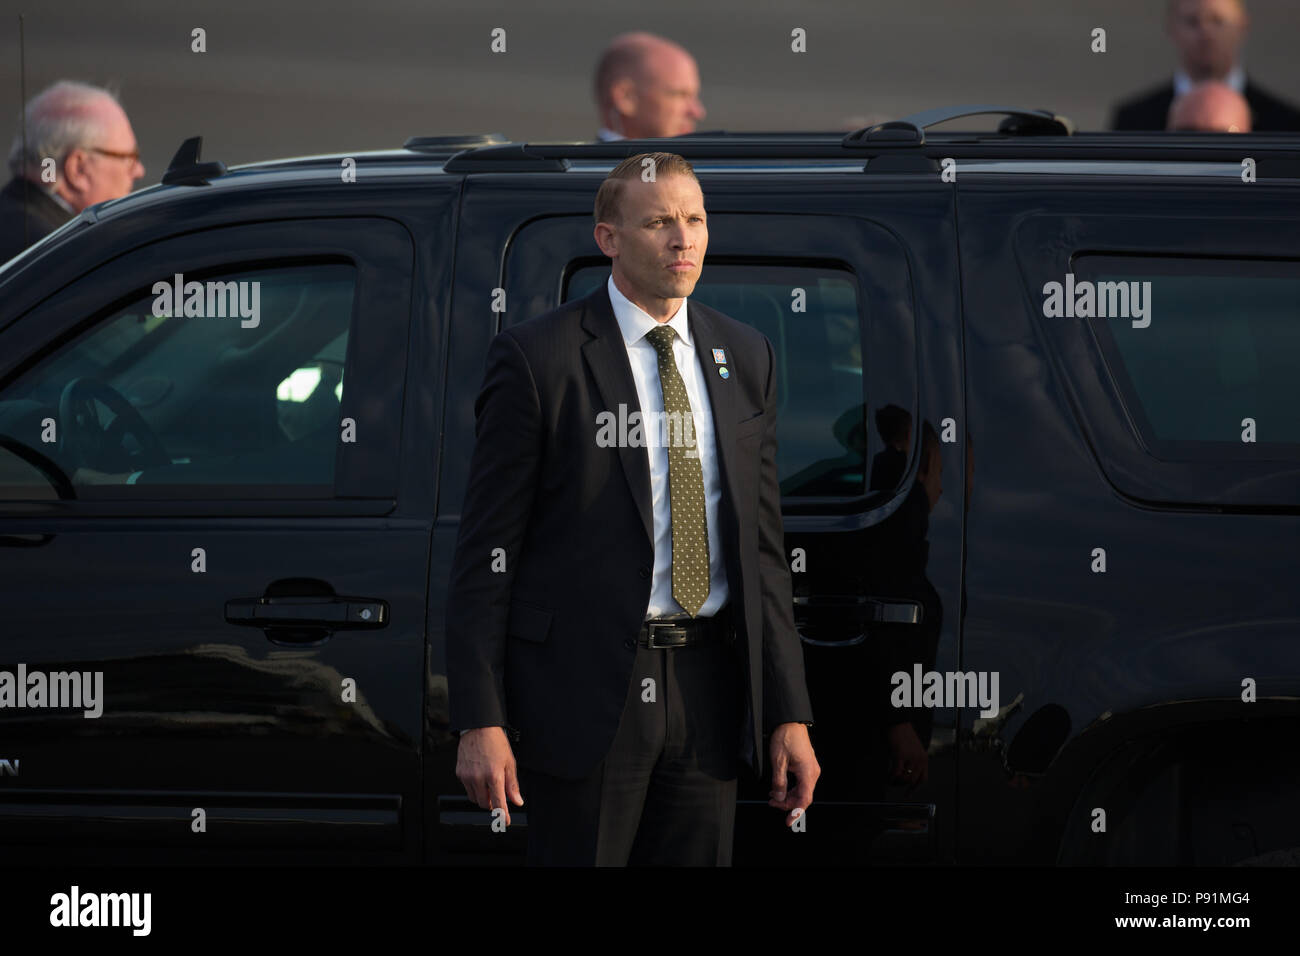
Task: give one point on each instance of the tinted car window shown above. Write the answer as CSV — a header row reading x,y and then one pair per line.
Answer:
x,y
233,390
821,433
1222,347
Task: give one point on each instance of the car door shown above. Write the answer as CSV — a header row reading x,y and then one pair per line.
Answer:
x,y
198,449
1133,573
817,264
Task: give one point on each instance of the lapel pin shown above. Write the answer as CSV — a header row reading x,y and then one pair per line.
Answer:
x,y
719,357
723,371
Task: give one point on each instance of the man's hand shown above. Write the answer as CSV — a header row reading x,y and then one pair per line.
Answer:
x,y
485,764
909,763
792,753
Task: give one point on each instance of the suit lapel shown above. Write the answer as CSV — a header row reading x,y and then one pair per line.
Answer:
x,y
606,355
722,397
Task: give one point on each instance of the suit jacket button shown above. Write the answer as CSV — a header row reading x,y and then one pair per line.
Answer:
x,y
643,571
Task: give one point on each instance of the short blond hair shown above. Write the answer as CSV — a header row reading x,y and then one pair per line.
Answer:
x,y
610,194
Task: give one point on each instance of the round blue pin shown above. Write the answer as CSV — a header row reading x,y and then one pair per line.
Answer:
x,y
723,371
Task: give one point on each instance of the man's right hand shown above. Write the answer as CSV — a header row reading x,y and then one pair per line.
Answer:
x,y
485,764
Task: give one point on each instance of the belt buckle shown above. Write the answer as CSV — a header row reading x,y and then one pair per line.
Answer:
x,y
652,626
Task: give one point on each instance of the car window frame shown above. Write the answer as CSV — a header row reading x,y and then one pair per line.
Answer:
x,y
537,268
1186,451
1047,243
381,252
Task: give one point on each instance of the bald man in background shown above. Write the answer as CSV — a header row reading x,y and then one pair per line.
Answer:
x,y
1210,108
86,132
1209,35
646,86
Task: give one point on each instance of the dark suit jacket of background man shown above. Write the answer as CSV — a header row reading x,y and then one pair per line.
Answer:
x,y
1150,111
547,647
43,214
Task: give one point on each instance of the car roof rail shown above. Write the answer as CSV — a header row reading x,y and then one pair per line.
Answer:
x,y
453,144
185,168
910,130
900,146
508,158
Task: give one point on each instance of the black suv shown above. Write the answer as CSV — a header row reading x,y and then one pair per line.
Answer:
x,y
1039,457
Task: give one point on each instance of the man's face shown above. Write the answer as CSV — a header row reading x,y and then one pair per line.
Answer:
x,y
1208,34
100,169
666,100
659,247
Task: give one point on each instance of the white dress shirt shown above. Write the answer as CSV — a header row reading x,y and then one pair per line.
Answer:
x,y
605,134
1236,79
634,324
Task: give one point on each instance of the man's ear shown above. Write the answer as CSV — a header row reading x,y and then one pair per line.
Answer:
x,y
623,96
606,239
76,176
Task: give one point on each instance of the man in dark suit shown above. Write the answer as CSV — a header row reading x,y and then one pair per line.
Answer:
x,y
620,600
27,214
77,149
1209,35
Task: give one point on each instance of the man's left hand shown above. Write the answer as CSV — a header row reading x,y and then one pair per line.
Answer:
x,y
792,755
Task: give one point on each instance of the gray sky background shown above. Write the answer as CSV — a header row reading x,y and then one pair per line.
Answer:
x,y
292,78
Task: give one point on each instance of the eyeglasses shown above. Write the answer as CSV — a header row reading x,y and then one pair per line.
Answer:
x,y
134,155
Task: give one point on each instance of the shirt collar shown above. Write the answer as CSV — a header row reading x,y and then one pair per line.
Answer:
x,y
634,323
605,134
61,201
46,189
1236,79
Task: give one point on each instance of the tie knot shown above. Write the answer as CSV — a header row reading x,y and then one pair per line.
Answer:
x,y
662,339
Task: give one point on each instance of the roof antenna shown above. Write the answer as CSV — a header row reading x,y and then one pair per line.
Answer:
x,y
22,113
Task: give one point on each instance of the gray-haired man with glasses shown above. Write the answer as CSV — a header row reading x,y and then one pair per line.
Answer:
x,y
86,135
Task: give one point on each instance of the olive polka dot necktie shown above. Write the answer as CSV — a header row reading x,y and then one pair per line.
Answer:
x,y
690,535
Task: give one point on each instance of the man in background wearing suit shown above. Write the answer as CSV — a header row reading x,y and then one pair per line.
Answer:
x,y
646,87
1209,35
634,634
85,131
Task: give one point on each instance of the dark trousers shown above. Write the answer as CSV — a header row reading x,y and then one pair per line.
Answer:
x,y
665,794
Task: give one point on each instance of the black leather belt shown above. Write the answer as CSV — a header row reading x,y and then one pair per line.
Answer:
x,y
678,632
